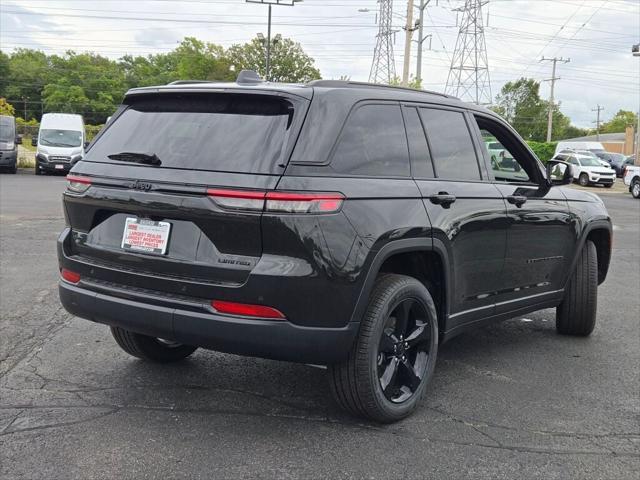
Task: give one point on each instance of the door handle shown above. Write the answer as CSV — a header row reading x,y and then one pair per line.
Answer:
x,y
517,200
443,199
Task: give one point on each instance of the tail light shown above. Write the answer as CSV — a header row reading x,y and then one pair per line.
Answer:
x,y
76,184
277,202
247,310
69,276
304,202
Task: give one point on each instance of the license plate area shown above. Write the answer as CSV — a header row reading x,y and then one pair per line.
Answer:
x,y
58,166
145,236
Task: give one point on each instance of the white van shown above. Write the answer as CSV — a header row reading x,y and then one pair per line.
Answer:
x,y
591,146
61,142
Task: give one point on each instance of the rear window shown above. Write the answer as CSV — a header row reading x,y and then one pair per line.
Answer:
x,y
221,132
7,130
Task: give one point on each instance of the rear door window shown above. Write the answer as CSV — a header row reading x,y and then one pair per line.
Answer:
x,y
373,143
452,150
220,132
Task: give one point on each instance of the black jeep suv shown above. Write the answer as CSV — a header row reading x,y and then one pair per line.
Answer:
x,y
338,223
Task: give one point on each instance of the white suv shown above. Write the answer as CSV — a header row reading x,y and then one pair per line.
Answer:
x,y
632,179
588,170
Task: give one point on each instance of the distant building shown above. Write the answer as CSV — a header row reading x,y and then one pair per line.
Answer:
x,y
612,142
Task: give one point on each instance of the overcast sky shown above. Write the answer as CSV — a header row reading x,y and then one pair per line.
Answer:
x,y
596,35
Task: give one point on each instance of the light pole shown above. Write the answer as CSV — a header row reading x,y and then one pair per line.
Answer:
x,y
421,38
288,3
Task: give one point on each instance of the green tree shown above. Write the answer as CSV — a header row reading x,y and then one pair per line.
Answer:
x,y
6,108
619,122
198,60
414,82
289,62
29,71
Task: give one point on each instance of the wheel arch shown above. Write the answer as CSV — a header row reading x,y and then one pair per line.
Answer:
x,y
600,233
410,257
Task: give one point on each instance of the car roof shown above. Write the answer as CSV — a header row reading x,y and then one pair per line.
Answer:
x,y
355,91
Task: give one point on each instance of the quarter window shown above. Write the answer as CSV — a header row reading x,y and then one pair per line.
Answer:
x,y
452,150
373,143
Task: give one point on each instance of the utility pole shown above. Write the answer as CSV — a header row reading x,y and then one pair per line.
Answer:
x,y
421,38
598,109
553,79
407,44
288,3
383,67
469,73
24,103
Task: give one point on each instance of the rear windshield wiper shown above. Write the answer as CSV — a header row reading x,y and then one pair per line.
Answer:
x,y
136,157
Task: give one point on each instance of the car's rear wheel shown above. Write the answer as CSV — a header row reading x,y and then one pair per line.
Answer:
x,y
576,315
150,348
394,356
583,179
635,188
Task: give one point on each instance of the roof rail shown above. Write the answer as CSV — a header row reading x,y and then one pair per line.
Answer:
x,y
186,82
350,84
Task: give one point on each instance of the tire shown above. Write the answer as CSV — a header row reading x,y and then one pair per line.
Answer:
x,y
380,355
13,170
37,172
635,188
150,348
576,315
583,179
608,185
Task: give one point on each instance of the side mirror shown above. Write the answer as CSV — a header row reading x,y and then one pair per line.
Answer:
x,y
18,139
34,141
559,173
86,144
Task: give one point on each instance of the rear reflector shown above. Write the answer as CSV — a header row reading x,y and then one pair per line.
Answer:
x,y
246,310
69,276
78,184
277,202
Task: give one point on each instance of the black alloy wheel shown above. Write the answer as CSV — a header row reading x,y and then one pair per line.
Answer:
x,y
403,352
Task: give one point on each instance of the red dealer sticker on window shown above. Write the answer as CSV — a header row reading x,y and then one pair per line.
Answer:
x,y
145,235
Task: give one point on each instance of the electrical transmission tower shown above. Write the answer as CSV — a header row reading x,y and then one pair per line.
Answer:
x,y
469,74
383,68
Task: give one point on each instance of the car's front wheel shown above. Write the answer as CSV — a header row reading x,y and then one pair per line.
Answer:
x,y
394,356
583,179
635,188
576,315
150,348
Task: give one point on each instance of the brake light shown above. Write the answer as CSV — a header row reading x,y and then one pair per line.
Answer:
x,y
247,310
69,276
304,202
78,184
277,202
237,199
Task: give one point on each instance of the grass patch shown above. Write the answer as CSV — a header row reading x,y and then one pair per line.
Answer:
x,y
26,157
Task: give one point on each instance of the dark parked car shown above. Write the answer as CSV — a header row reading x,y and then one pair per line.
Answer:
x,y
616,160
353,225
9,141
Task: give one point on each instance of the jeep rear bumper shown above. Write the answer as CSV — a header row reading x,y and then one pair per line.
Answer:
x,y
278,340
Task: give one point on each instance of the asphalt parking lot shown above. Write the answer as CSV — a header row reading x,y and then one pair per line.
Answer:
x,y
514,400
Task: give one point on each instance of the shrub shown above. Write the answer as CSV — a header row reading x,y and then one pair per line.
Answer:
x,y
543,150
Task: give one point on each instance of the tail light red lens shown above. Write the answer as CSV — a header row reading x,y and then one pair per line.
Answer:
x,y
77,184
304,202
69,276
247,310
277,202
237,199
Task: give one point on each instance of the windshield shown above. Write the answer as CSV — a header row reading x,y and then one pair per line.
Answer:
x,y
60,138
222,132
589,162
7,130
